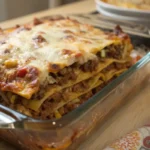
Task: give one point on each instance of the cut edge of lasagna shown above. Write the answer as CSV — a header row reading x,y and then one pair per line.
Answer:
x,y
50,64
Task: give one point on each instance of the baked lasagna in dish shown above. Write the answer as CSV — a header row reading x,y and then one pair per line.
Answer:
x,y
51,66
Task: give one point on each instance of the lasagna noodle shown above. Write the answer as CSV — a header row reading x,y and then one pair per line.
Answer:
x,y
75,96
35,104
92,82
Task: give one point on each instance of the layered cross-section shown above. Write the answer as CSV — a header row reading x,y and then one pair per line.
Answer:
x,y
51,66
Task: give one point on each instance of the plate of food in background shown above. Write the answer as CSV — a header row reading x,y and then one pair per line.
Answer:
x,y
130,10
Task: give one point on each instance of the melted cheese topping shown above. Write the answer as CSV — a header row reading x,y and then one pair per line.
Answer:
x,y
49,47
82,42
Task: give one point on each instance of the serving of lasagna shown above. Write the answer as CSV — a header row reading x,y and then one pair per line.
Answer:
x,y
49,67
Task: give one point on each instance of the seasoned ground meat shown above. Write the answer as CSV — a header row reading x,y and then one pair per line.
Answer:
x,y
112,51
46,111
90,66
115,51
86,96
68,73
57,96
80,87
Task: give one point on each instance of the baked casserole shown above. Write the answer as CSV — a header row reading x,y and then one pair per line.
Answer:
x,y
49,67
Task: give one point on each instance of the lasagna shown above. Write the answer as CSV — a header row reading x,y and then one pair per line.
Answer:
x,y
131,4
51,66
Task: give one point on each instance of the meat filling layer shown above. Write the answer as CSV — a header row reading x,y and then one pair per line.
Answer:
x,y
69,73
48,111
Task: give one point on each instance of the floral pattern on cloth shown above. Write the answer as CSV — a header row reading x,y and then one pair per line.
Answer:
x,y
131,141
137,140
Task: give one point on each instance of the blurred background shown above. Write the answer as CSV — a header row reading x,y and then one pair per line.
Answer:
x,y
15,8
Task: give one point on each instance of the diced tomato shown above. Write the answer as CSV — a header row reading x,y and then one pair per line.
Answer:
x,y
78,55
136,59
22,72
67,52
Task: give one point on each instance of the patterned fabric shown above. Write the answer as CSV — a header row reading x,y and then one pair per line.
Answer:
x,y
137,140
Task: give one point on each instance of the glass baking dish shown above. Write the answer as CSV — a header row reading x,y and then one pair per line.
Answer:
x,y
70,130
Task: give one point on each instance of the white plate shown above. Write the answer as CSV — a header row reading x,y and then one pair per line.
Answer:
x,y
139,16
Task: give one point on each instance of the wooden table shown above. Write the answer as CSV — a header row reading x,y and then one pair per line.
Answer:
x,y
132,115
